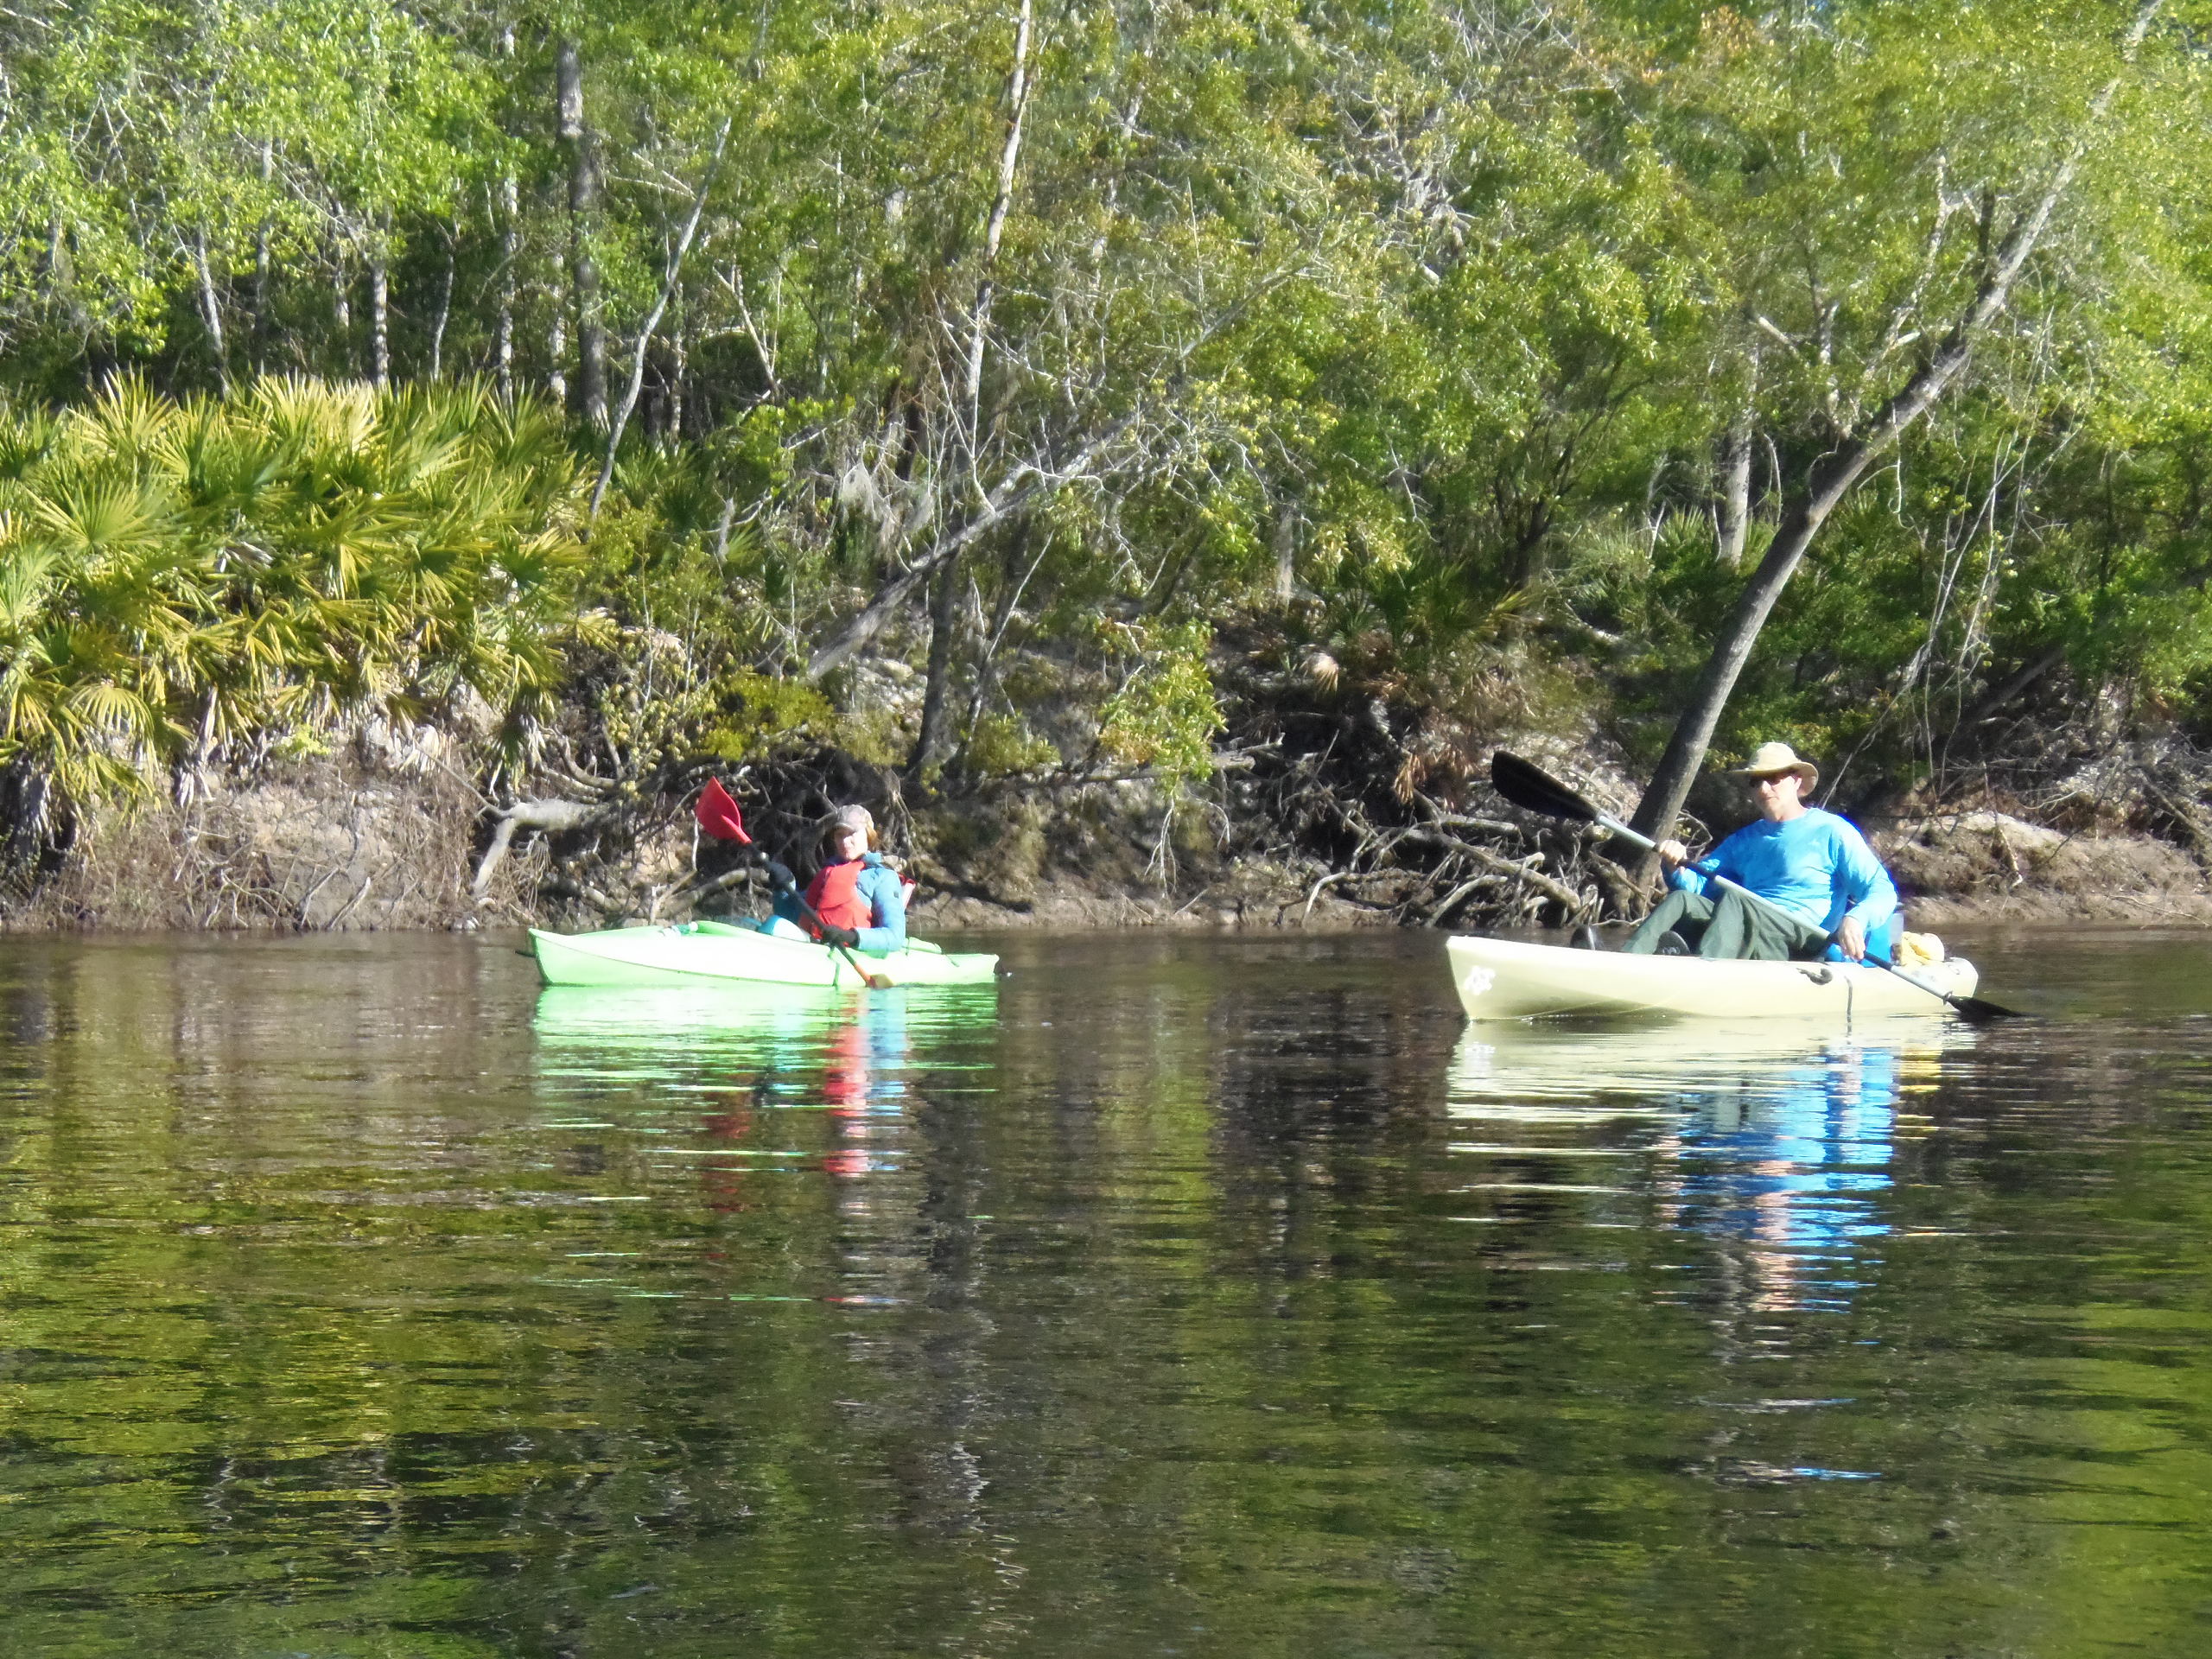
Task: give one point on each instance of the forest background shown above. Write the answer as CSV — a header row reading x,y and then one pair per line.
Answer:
x,y
1146,450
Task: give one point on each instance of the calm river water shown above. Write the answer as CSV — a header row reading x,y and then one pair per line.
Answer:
x,y
1181,1295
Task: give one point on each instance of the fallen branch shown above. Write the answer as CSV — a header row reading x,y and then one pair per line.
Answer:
x,y
1573,901
554,816
1439,913
1331,881
741,876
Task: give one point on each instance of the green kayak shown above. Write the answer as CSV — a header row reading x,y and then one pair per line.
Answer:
x,y
699,952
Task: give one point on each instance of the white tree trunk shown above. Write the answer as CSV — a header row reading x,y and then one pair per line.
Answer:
x,y
1018,85
379,323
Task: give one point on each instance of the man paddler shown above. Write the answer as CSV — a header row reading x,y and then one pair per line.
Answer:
x,y
858,897
1835,899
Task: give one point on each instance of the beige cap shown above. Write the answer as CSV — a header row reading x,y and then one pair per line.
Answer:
x,y
1772,760
848,817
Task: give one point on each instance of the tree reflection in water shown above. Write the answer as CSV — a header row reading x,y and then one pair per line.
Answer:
x,y
360,1299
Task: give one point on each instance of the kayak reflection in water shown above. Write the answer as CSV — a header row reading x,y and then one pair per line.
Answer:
x,y
863,1079
1780,1147
1789,1167
1815,867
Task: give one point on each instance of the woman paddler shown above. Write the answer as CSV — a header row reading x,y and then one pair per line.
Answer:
x,y
859,897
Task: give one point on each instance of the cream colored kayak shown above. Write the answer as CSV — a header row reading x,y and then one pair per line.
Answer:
x,y
1507,979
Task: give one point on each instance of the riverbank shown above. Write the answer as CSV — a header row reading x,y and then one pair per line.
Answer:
x,y
1983,865
388,832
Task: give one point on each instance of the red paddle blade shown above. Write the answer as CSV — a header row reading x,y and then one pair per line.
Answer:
x,y
718,815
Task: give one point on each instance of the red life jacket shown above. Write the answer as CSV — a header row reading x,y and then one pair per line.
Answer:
x,y
835,895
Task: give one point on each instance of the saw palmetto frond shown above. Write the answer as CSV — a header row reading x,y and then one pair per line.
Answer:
x,y
170,570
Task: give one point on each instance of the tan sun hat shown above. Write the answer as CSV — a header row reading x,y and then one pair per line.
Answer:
x,y
1772,760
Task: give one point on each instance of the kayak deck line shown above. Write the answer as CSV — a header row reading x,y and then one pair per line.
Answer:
x,y
1510,979
704,952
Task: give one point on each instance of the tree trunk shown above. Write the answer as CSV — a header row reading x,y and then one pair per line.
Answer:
x,y
261,267
379,323
211,310
1693,733
502,341
1831,481
1009,157
341,319
931,745
503,347
680,345
1732,504
653,320
583,206
1010,600
1285,550
2044,661
556,347
62,271
942,564
445,311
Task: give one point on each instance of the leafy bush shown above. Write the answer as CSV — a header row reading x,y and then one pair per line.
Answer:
x,y
179,576
1166,714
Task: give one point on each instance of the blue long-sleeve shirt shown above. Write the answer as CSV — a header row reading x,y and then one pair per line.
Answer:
x,y
1816,866
886,902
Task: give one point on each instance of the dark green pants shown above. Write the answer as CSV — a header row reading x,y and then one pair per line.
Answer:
x,y
1730,926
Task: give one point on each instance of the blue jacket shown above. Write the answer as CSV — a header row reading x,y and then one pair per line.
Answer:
x,y
886,902
1816,866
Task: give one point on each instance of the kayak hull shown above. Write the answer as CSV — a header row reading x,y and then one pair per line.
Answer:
x,y
1508,979
703,953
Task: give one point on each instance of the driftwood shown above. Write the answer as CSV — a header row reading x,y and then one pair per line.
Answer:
x,y
699,885
548,817
1496,864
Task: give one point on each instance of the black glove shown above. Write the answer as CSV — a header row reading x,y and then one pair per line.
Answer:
x,y
843,935
780,876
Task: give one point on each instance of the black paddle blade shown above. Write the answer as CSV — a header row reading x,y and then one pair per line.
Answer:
x,y
1530,786
1972,1009
1978,1013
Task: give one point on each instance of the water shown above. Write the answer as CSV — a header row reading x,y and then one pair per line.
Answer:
x,y
1177,1296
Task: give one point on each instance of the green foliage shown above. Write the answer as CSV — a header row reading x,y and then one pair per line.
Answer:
x,y
174,576
1424,324
1002,746
874,736
767,712
1165,716
663,653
